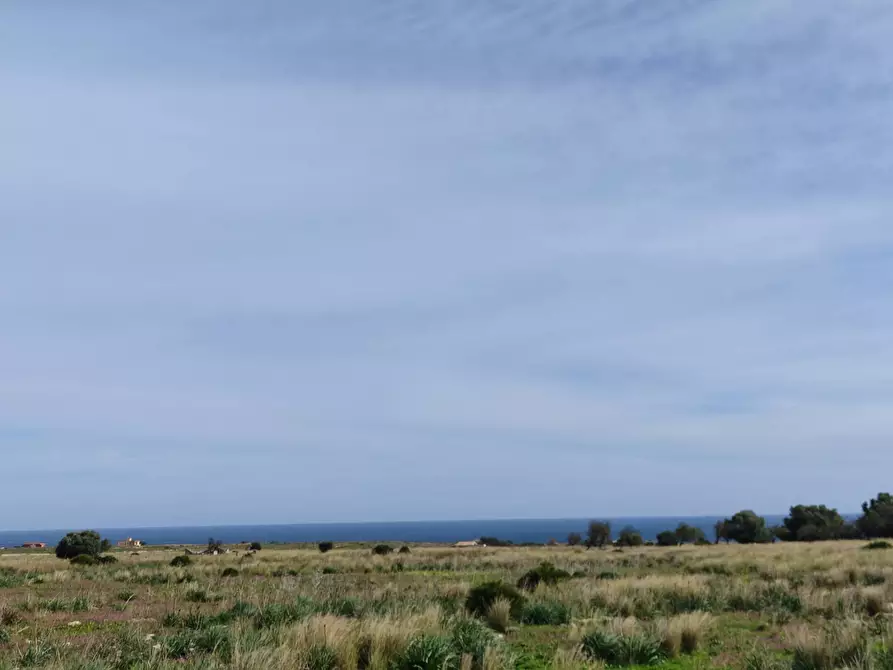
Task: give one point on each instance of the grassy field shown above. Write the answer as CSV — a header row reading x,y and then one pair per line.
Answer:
x,y
801,606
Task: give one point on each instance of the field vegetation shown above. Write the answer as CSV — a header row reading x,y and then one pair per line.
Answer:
x,y
752,603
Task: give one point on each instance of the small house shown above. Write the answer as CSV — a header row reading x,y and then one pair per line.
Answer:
x,y
130,543
34,545
467,544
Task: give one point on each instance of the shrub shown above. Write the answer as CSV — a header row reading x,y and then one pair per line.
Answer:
x,y
481,598
382,550
622,650
499,616
84,543
329,570
545,573
630,537
667,538
598,534
320,657
878,544
107,560
84,559
877,517
181,561
405,550
745,527
255,546
546,614
470,637
229,572
495,542
326,547
575,539
428,652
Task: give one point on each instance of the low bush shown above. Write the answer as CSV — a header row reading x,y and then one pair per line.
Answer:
x,y
545,573
83,559
878,544
181,561
326,547
481,598
229,572
405,550
427,652
622,650
107,560
255,546
382,550
546,614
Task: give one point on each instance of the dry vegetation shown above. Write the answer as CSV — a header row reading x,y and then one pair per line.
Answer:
x,y
800,606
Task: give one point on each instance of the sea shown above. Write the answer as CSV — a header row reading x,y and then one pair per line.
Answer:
x,y
516,530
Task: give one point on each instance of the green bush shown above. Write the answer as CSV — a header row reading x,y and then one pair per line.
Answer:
x,y
321,657
382,550
630,537
326,547
255,546
667,538
622,650
107,560
84,543
598,534
405,550
545,573
428,652
878,544
181,561
472,637
481,597
229,572
83,559
546,614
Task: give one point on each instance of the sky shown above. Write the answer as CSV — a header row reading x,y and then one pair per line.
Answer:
x,y
289,261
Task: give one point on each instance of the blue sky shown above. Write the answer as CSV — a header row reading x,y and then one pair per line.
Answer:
x,y
457,259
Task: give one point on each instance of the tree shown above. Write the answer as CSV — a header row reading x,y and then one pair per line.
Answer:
x,y
746,527
667,538
84,543
630,537
105,546
686,534
877,517
808,523
720,531
575,539
598,534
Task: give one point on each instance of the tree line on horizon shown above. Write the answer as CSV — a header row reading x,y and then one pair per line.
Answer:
x,y
804,523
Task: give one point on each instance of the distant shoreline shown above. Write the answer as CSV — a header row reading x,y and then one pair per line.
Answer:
x,y
515,530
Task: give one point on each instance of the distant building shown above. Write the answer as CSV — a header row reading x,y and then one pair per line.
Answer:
x,y
34,545
467,545
130,543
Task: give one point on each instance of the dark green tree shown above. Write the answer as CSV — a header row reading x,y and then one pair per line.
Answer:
x,y
667,538
630,537
598,534
325,547
574,539
808,523
720,531
686,534
84,543
877,517
747,527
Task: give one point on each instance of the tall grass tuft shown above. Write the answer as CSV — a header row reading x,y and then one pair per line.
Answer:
x,y
499,616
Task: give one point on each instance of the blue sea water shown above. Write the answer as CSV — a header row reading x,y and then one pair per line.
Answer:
x,y
516,530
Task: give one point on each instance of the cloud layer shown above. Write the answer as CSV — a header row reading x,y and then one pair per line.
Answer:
x,y
392,260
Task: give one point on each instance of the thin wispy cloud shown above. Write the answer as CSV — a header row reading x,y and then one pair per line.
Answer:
x,y
403,260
